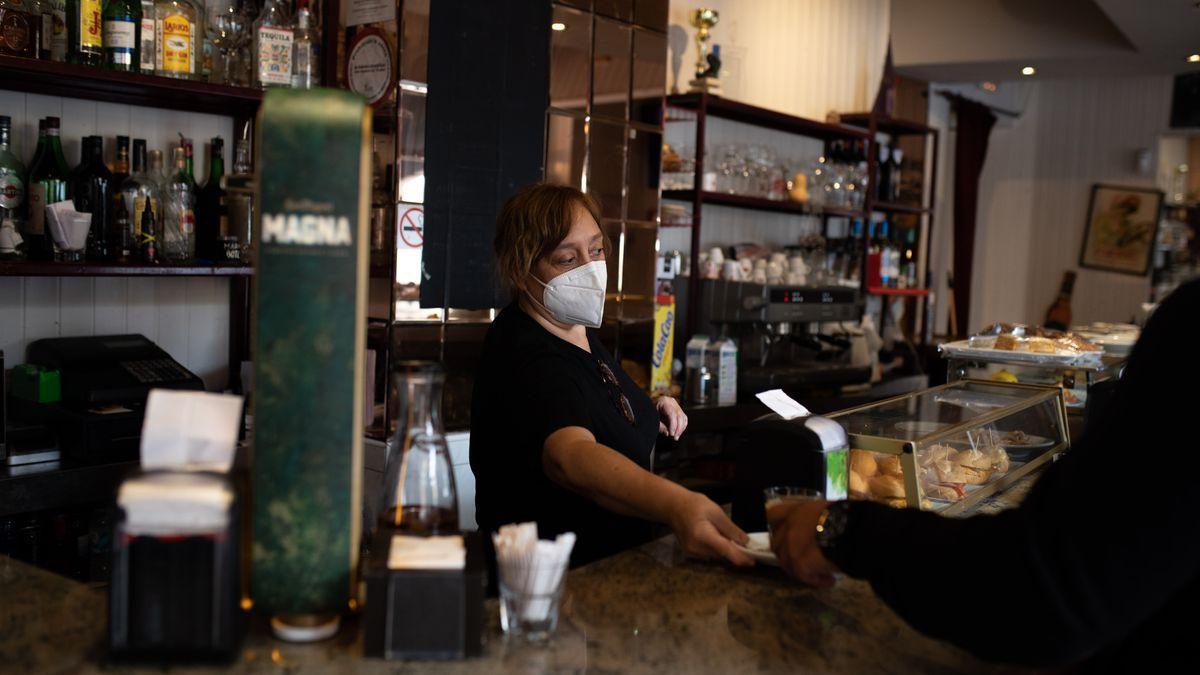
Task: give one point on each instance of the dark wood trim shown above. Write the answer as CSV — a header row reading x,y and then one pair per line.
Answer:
x,y
693,297
24,268
888,125
760,204
55,78
909,292
241,303
763,117
892,207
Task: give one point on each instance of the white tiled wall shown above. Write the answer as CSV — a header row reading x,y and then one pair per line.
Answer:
x,y
188,317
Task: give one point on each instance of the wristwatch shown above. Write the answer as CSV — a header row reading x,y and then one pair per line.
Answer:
x,y
831,525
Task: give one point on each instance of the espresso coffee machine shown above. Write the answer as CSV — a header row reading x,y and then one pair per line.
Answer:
x,y
779,333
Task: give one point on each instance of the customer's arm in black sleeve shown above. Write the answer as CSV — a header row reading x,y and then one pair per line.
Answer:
x,y
1105,538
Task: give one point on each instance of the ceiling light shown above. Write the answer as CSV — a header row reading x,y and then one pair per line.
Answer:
x,y
558,25
1028,70
1194,58
988,86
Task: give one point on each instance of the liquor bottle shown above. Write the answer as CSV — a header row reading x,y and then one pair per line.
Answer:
x,y
155,172
147,227
896,157
85,32
139,194
123,35
43,16
910,259
120,166
1058,316
854,253
177,238
883,172
146,43
272,51
12,193
58,22
895,253
210,207
122,229
883,246
48,184
189,160
92,191
18,29
176,31
305,60
240,203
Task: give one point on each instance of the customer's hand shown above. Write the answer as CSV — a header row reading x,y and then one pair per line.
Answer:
x,y
793,538
704,531
671,420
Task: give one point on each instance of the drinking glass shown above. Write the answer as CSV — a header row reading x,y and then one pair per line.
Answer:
x,y
530,597
236,51
781,496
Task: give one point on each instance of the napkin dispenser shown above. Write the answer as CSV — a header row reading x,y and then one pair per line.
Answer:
x,y
424,613
176,592
809,451
176,582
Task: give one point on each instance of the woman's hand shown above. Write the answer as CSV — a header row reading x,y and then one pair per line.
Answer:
x,y
671,420
794,540
704,531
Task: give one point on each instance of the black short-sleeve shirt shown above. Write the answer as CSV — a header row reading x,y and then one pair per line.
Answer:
x,y
530,384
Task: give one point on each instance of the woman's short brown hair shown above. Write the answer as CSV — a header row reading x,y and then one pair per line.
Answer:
x,y
532,224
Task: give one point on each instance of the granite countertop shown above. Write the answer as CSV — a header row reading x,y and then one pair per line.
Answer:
x,y
645,610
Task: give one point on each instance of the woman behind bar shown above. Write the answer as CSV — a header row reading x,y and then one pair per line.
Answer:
x,y
559,433
1100,562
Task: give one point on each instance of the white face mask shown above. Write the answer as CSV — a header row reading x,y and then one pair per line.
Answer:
x,y
577,296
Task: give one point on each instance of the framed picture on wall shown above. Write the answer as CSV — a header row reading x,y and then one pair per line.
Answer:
x,y
1121,225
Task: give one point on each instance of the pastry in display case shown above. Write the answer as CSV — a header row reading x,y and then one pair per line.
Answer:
x,y
1033,355
947,448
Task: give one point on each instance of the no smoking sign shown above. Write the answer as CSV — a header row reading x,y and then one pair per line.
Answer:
x,y
412,227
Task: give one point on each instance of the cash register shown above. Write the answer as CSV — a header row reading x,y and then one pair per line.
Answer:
x,y
105,380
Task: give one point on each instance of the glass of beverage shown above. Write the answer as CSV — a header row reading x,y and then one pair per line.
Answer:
x,y
786,496
421,498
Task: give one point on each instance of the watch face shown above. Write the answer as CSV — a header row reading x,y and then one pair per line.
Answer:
x,y
832,524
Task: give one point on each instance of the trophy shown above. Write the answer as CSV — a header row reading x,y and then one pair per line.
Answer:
x,y
708,64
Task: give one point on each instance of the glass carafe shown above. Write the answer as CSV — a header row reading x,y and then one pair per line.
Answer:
x,y
421,498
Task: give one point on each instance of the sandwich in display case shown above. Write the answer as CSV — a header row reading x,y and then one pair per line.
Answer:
x,y
947,448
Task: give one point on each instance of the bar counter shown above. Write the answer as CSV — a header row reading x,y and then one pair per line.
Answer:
x,y
645,610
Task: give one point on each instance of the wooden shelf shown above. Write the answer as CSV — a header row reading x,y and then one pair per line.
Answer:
x,y
760,204
763,117
97,84
892,207
28,268
910,292
888,125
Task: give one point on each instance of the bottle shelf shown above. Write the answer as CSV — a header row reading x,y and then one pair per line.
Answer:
x,y
55,78
760,204
892,207
908,292
32,268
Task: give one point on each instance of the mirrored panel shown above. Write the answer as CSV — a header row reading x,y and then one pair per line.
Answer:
x,y
566,149
570,59
610,84
606,166
642,179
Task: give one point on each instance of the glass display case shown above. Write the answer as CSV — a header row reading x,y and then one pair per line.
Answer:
x,y
1075,380
947,448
